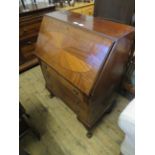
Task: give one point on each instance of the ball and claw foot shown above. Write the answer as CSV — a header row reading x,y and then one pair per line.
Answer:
x,y
89,134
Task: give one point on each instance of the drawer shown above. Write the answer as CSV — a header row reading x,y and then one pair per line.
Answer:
x,y
62,88
30,20
29,31
27,48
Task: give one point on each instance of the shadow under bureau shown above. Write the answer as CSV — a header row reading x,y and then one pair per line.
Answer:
x,y
83,59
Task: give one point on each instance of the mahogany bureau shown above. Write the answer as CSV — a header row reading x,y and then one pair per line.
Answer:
x,y
83,59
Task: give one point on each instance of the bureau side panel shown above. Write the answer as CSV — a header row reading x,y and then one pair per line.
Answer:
x,y
110,77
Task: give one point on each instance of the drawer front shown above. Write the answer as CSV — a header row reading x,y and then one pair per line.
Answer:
x,y
27,20
27,48
29,31
62,88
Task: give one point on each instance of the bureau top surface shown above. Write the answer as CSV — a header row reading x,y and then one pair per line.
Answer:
x,y
106,28
77,55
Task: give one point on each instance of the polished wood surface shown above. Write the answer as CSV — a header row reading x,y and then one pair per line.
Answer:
x,y
83,60
29,25
87,50
74,53
105,28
